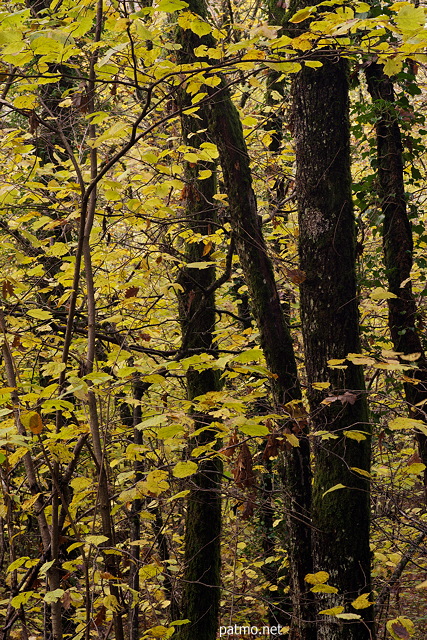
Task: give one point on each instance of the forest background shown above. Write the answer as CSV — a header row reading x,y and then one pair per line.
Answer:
x,y
212,319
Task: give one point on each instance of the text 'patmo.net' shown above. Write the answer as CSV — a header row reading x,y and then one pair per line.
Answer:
x,y
237,630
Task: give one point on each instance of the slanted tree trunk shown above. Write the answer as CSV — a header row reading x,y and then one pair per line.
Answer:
x,y
276,342
226,131
398,243
330,329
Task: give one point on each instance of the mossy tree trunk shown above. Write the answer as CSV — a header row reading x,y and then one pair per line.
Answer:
x,y
276,342
201,581
397,242
226,132
330,329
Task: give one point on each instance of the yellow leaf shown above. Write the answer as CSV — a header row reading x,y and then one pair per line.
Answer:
x,y
355,435
380,293
155,482
416,468
39,314
391,67
203,174
208,247
406,423
301,15
32,421
362,472
184,469
321,385
411,357
410,18
323,588
334,488
27,504
400,628
317,578
292,439
332,612
362,602
348,616
313,63
422,585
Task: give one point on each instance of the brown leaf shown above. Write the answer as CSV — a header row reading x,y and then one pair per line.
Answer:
x,y
100,616
297,276
400,630
145,336
208,247
7,288
414,459
230,450
66,600
248,510
271,448
131,292
243,472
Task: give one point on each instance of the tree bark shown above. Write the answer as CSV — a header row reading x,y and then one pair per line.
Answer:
x,y
202,557
398,244
330,329
226,131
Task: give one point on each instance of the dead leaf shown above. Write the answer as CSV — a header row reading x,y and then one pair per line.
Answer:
x,y
297,276
271,448
131,292
243,472
208,247
400,630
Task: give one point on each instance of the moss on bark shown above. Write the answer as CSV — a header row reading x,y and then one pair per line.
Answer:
x,y
330,329
397,242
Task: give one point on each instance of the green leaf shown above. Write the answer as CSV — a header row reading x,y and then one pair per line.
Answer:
x,y
410,18
53,596
253,429
169,432
169,6
249,355
184,469
21,599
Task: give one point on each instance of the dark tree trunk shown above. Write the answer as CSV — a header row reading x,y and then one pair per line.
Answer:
x,y
201,582
397,242
226,131
330,329
276,342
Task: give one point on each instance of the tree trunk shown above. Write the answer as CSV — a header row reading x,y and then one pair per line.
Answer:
x,y
330,329
398,244
202,579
